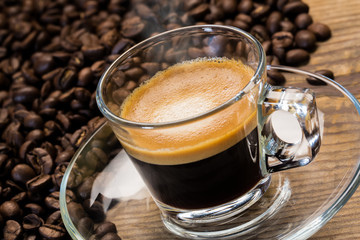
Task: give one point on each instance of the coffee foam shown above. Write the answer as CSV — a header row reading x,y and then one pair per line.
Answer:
x,y
185,90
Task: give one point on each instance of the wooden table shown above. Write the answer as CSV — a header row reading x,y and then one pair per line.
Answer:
x,y
341,54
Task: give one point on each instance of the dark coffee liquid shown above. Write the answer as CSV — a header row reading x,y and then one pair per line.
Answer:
x,y
208,182
208,161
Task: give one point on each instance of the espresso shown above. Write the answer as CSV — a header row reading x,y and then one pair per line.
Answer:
x,y
203,162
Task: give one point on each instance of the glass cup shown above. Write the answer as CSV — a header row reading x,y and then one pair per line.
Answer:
x,y
200,178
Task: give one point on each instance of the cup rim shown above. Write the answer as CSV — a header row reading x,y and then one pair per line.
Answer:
x,y
254,81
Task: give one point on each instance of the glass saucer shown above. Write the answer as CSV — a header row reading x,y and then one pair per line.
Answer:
x,y
101,188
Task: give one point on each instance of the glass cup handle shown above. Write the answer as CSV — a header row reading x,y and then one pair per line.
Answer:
x,y
289,127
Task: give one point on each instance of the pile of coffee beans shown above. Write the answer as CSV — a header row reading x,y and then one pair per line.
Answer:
x,y
52,54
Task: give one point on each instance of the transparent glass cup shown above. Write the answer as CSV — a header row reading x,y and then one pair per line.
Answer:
x,y
201,185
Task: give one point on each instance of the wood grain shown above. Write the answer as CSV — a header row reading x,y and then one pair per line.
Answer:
x,y
341,54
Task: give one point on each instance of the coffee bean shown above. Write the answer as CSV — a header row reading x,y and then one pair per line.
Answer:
x,y
77,212
52,201
43,63
65,79
59,173
132,27
33,121
200,11
104,228
297,57
39,184
245,6
26,95
34,208
321,31
292,9
85,77
119,95
282,39
54,218
324,72
95,210
273,22
260,11
260,32
275,78
12,230
85,226
229,6
305,39
10,210
303,20
31,222
22,173
288,26
35,135
49,231
64,156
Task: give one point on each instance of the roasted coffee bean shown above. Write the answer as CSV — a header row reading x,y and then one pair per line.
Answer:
x,y
12,230
34,208
59,173
26,95
6,165
297,57
64,156
275,78
52,201
273,22
49,231
303,20
36,135
84,189
132,27
229,6
85,77
292,9
260,11
85,226
200,11
77,59
20,198
10,210
33,121
305,39
245,6
98,68
44,159
4,81
32,222
54,218
95,210
282,39
288,26
43,63
22,173
260,32
39,184
104,228
316,81
77,212
4,117
321,31
65,79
